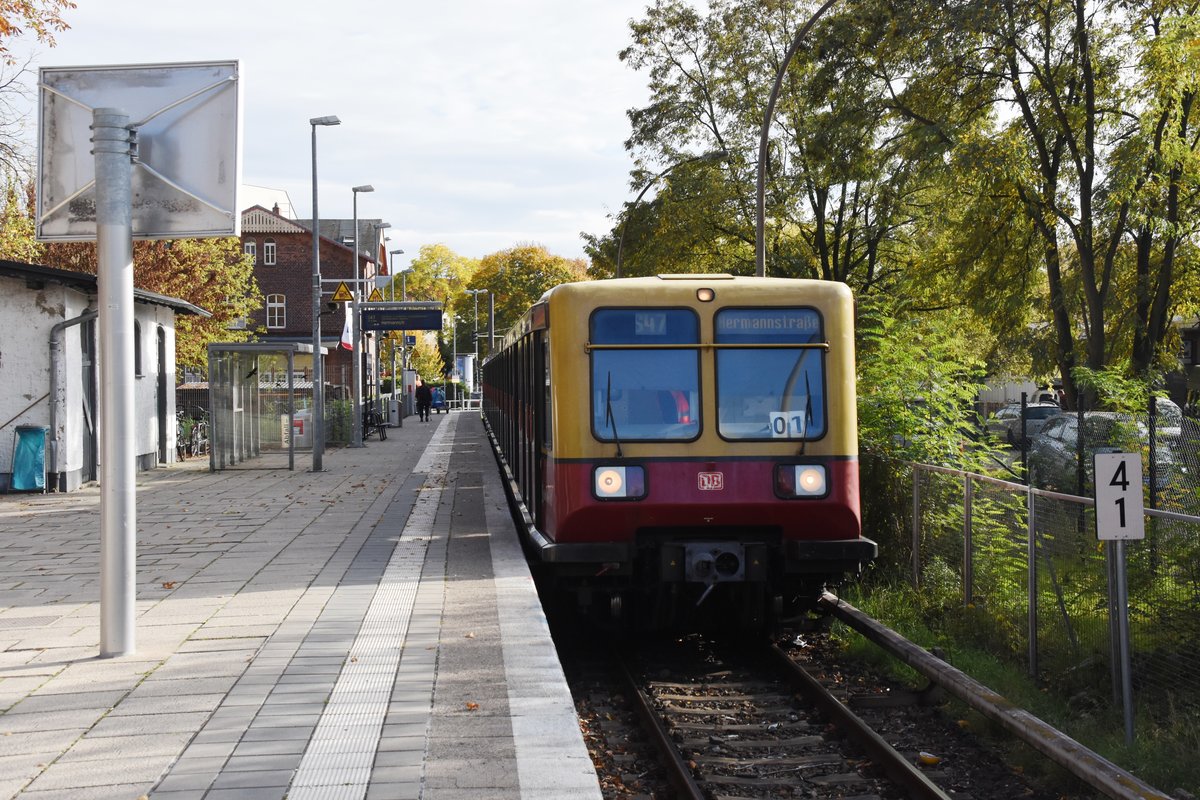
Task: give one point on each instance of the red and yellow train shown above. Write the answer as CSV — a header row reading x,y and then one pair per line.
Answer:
x,y
684,443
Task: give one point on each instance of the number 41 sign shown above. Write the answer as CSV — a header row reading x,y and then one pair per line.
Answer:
x,y
1119,510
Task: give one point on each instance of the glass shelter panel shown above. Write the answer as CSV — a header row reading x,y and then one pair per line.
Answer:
x,y
647,388
766,389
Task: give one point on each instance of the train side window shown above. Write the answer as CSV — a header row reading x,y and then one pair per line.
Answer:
x,y
649,389
773,392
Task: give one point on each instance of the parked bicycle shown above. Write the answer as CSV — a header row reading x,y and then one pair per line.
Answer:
x,y
373,423
199,437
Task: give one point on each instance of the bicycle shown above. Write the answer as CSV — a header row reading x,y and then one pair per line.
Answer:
x,y
373,423
199,438
183,439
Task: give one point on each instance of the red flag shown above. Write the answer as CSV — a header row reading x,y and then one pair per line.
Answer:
x,y
347,337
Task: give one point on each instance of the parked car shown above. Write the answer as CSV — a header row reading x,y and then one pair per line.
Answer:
x,y
1006,423
1054,452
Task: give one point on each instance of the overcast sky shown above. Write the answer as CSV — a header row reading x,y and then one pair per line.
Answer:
x,y
481,124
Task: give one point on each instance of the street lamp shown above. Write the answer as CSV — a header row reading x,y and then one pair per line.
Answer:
x,y
318,372
398,392
355,349
715,155
760,226
375,340
475,370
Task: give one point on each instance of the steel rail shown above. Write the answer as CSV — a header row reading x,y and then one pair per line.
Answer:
x,y
916,784
1095,770
678,772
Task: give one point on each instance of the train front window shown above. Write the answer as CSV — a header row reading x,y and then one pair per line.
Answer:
x,y
770,391
645,386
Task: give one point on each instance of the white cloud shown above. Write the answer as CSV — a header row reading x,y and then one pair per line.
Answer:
x,y
480,124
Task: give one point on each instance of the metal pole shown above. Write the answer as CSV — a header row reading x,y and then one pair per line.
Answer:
x,y
111,139
1123,639
1031,569
356,351
916,526
491,324
760,239
318,370
968,542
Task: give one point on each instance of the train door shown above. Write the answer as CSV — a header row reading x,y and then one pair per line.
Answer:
x,y
541,425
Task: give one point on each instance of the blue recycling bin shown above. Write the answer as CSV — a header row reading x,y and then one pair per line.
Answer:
x,y
29,459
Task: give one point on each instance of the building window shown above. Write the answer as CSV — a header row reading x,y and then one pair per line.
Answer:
x,y
269,252
250,248
276,311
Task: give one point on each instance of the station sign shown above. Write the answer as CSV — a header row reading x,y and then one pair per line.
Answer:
x,y
1119,506
404,316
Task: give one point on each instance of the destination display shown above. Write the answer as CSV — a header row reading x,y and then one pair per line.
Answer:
x,y
405,316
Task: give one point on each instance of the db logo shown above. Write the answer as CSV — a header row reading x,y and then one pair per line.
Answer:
x,y
710,481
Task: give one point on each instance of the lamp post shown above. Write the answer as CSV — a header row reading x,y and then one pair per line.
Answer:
x,y
398,392
318,371
715,155
356,348
475,367
760,238
377,339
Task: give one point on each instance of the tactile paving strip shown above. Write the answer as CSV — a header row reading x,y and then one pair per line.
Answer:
x,y
337,762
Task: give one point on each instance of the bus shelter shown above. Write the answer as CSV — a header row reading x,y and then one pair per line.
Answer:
x,y
260,405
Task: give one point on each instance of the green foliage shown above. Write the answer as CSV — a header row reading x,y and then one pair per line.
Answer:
x,y
17,242
516,278
1034,167
917,382
427,360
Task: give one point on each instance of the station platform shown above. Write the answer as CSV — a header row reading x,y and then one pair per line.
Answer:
x,y
369,631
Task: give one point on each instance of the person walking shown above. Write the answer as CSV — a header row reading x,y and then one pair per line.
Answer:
x,y
424,400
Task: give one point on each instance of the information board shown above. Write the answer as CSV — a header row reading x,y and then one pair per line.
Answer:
x,y
405,316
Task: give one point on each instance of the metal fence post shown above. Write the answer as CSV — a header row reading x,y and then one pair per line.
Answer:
x,y
916,526
1031,555
968,548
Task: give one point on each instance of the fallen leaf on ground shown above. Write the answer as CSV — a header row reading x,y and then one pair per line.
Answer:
x,y
472,706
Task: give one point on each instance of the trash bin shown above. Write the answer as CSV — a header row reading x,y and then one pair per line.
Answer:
x,y
29,459
302,427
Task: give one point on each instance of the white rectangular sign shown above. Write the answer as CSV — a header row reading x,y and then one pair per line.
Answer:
x,y
1119,507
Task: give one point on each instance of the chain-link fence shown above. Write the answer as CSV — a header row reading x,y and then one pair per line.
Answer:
x,y
1021,574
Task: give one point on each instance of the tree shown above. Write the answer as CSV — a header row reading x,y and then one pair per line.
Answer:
x,y
518,277
427,361
42,17
1091,141
213,274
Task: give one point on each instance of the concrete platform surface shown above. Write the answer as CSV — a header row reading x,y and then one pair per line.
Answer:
x,y
370,631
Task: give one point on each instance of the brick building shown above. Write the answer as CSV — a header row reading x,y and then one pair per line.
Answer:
x,y
282,250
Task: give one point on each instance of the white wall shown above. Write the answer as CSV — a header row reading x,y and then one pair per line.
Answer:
x,y
27,318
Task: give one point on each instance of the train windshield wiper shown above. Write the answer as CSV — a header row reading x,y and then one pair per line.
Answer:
x,y
609,417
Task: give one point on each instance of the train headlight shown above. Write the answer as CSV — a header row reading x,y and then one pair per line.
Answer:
x,y
619,483
801,480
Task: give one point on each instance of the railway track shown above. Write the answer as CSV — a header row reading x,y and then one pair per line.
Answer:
x,y
761,726
698,718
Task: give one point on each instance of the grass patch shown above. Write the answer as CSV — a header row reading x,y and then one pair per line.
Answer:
x,y
1167,735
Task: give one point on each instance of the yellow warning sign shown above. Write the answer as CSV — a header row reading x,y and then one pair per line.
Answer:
x,y
342,294
376,296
